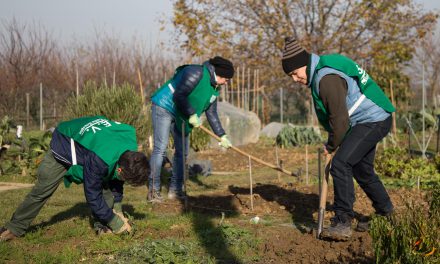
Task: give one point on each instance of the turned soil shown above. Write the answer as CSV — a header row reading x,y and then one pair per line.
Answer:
x,y
288,211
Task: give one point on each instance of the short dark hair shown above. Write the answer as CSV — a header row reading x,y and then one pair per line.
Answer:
x,y
135,167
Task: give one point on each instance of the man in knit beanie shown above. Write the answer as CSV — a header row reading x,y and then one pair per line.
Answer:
x,y
357,115
176,108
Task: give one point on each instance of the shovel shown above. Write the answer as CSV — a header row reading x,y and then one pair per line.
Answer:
x,y
323,194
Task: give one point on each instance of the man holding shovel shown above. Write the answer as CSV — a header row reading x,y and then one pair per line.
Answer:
x,y
101,154
176,108
357,115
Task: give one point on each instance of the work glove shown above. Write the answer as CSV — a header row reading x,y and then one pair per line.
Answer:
x,y
224,142
195,121
119,224
117,206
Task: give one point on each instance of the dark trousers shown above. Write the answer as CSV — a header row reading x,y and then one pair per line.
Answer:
x,y
355,158
49,176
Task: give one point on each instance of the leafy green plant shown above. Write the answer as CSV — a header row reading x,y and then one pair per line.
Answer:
x,y
119,103
397,164
5,126
412,237
291,136
24,155
199,140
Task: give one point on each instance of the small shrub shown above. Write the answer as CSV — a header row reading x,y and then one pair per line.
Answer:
x,y
412,237
119,103
297,136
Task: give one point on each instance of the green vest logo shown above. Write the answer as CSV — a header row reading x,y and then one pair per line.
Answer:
x,y
94,126
364,75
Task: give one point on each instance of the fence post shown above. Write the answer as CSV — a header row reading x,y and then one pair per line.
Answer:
x,y
41,106
238,87
307,165
281,105
77,83
243,89
409,140
438,132
27,111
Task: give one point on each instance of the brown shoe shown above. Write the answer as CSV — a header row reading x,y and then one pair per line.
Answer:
x,y
6,235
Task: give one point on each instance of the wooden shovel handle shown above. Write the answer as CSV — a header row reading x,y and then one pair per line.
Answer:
x,y
209,132
323,194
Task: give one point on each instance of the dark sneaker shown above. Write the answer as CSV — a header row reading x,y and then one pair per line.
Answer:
x,y
6,235
363,224
179,195
338,230
154,197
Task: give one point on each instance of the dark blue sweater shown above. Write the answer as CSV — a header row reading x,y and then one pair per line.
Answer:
x,y
94,171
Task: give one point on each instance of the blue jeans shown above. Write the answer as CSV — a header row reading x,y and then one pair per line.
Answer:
x,y
164,124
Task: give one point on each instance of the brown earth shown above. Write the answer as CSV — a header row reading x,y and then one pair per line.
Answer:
x,y
291,210
5,186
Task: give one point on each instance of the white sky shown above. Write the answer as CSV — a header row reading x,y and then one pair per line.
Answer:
x,y
79,19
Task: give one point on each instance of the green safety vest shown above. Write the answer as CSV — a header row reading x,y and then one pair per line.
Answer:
x,y
367,86
200,98
107,139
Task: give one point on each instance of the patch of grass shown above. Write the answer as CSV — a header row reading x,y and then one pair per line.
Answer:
x,y
162,251
66,255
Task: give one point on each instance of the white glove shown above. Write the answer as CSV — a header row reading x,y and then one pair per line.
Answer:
x,y
194,120
225,142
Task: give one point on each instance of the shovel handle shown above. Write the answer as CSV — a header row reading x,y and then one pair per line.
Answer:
x,y
209,132
323,194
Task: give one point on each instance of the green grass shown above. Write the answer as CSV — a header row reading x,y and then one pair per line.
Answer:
x,y
62,232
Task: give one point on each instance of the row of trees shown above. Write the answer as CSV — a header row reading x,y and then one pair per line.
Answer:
x,y
381,35
30,55
390,38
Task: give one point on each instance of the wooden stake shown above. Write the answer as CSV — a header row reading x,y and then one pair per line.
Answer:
x,y
278,162
41,106
184,165
141,87
248,101
77,83
262,100
232,92
394,113
255,91
258,94
307,164
251,184
243,90
238,87
27,110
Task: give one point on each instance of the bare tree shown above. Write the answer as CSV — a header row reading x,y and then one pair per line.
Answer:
x,y
427,56
25,52
29,55
374,33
